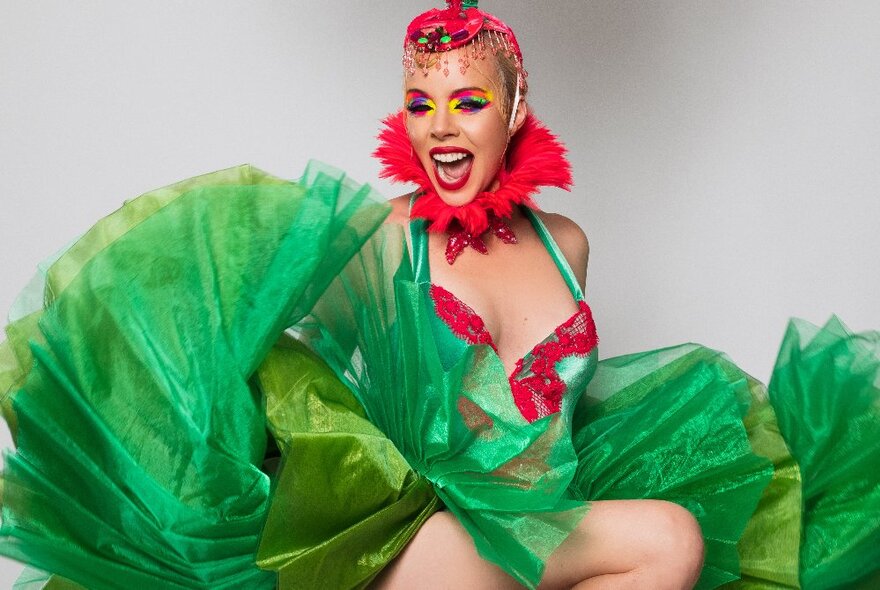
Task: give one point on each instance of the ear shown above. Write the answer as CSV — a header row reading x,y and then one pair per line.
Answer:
x,y
522,111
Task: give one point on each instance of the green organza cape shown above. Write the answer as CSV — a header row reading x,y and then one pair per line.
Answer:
x,y
183,328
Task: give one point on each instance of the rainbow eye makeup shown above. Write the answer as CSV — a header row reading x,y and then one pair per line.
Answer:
x,y
467,101
471,100
418,104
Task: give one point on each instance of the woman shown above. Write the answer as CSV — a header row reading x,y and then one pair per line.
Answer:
x,y
416,399
460,133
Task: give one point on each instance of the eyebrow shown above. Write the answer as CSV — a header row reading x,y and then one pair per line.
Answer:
x,y
470,89
453,93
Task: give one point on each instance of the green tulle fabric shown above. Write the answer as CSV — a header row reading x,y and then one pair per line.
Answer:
x,y
237,381
835,440
139,438
346,501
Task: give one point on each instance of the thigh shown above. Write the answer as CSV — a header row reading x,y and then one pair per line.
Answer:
x,y
615,537
442,555
624,537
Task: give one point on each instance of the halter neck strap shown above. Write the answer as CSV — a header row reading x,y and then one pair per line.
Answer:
x,y
419,239
556,254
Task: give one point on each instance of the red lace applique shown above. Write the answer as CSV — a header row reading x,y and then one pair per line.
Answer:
x,y
539,392
461,319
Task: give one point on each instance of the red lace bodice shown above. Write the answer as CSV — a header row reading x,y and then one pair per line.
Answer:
x,y
536,384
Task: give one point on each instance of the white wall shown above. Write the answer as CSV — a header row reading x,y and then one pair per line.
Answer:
x,y
726,153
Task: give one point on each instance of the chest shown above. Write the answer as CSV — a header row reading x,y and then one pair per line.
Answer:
x,y
516,295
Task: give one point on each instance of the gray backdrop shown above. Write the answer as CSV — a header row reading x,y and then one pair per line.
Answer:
x,y
725,153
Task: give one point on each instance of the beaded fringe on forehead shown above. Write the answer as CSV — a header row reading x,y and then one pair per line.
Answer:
x,y
418,58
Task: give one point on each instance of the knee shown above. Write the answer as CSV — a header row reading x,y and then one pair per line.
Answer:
x,y
679,546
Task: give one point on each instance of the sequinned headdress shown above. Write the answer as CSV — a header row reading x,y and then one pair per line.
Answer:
x,y
460,24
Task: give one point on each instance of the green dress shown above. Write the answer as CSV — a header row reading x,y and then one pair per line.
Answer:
x,y
242,381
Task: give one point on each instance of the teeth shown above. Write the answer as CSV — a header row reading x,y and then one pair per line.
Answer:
x,y
447,158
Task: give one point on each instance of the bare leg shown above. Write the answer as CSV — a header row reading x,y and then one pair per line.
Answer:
x,y
629,544
442,555
619,544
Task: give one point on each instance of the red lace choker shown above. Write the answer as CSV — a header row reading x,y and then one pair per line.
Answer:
x,y
535,158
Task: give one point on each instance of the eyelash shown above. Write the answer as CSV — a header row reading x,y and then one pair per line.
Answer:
x,y
420,107
470,104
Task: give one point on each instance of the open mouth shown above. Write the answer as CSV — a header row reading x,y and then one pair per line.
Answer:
x,y
452,167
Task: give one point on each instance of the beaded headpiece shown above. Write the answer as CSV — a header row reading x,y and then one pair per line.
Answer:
x,y
460,24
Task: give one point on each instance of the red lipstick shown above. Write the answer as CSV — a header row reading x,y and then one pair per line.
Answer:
x,y
452,166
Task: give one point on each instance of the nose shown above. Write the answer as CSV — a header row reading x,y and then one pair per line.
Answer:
x,y
443,125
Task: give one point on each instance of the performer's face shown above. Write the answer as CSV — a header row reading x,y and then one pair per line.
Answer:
x,y
456,127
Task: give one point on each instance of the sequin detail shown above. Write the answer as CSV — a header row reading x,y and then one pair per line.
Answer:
x,y
462,238
535,383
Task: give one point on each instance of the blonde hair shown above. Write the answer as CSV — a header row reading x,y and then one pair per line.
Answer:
x,y
509,77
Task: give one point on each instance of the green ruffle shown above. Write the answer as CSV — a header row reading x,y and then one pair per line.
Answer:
x,y
668,425
826,390
139,439
141,394
344,492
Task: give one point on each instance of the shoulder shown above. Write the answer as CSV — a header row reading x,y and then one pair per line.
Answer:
x,y
399,210
572,240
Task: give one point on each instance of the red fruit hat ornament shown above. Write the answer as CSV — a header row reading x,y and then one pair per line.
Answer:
x,y
534,156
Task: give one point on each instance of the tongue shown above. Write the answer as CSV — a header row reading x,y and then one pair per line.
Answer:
x,y
455,170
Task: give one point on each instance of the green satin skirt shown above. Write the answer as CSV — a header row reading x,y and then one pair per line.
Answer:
x,y
233,382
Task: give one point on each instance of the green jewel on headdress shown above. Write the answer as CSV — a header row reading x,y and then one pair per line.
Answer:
x,y
461,4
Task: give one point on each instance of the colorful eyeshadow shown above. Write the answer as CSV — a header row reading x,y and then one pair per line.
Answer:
x,y
418,104
471,100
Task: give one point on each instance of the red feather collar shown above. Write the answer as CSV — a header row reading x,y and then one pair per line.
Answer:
x,y
535,158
